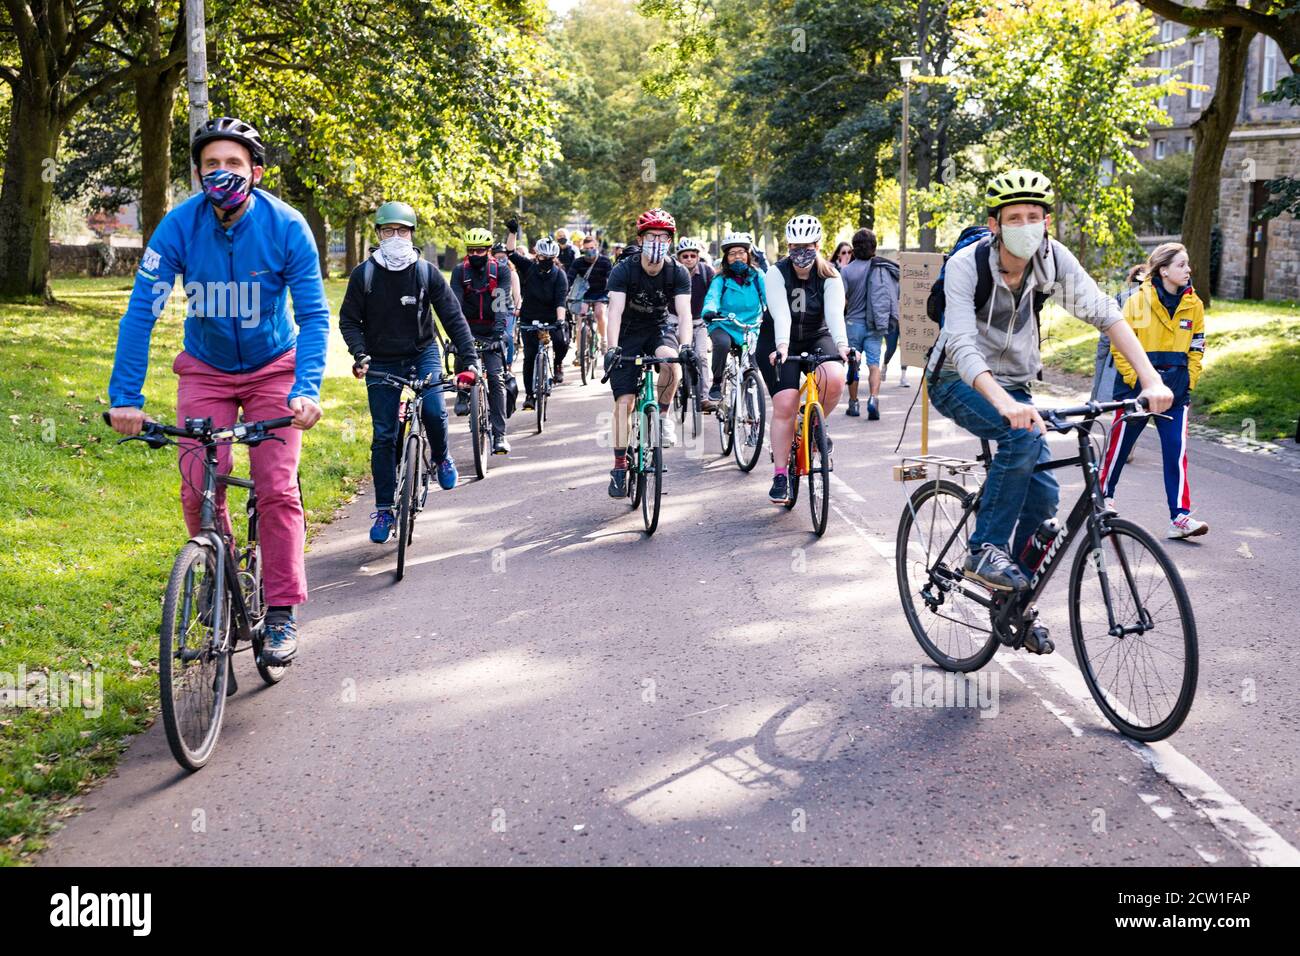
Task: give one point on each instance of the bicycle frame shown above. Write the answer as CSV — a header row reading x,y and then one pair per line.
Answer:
x,y
227,571
646,397
809,397
1089,510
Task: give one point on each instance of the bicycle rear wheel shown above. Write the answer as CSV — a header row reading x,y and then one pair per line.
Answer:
x,y
652,477
951,628
480,433
819,471
1144,681
751,421
194,656
406,502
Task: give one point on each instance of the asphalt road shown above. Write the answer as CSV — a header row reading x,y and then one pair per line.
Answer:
x,y
548,686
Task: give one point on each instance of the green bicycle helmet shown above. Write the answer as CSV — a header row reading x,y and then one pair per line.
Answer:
x,y
1017,186
477,238
398,213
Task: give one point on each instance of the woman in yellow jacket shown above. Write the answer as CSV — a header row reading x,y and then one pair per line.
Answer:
x,y
1169,320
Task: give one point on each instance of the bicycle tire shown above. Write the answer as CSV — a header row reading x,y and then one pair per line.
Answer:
x,y
819,471
540,386
725,414
653,476
755,408
697,410
406,501
982,649
193,697
636,476
584,347
1168,722
479,433
792,472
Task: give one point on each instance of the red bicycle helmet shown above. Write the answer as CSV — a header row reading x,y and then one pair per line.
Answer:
x,y
656,219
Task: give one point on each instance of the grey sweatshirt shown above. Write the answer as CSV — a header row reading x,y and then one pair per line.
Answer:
x,y
1003,338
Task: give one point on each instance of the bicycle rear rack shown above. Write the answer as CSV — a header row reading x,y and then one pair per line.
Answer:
x,y
920,467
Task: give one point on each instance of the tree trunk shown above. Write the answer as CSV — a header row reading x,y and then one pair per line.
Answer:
x,y
867,196
1211,131
155,96
350,243
34,130
319,231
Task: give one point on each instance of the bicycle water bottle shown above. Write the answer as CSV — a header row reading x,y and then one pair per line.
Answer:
x,y
1039,543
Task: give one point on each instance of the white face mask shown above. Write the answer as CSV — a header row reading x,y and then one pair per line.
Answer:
x,y
1023,241
655,249
398,252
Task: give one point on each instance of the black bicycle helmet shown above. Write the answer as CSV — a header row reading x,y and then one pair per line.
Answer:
x,y
227,127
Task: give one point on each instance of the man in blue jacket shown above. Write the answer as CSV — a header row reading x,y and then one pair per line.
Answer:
x,y
240,250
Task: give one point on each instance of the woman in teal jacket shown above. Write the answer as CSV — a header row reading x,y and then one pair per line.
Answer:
x,y
734,304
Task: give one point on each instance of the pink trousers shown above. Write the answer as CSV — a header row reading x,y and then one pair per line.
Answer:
x,y
205,392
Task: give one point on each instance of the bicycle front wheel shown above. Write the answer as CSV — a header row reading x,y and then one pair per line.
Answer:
x,y
792,473
541,385
751,421
479,432
1144,679
406,502
584,352
951,628
652,476
194,656
819,471
725,414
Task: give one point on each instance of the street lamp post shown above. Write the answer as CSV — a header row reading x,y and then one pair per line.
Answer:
x,y
905,66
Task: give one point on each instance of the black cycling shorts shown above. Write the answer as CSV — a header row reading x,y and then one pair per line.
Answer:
x,y
789,375
643,340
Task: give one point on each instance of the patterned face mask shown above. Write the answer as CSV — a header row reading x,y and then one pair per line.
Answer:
x,y
803,258
655,248
226,190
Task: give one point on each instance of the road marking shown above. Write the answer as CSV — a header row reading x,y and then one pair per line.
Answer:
x,y
1258,841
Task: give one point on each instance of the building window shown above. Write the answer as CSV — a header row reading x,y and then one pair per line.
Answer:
x,y
1268,68
1160,149
1198,75
1188,144
1166,56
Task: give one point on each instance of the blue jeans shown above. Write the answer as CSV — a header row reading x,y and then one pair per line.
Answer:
x,y
510,339
1015,496
384,399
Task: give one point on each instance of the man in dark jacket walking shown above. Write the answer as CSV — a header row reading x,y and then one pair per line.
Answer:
x,y
870,314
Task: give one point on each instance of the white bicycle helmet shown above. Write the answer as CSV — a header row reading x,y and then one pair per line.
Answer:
x,y
737,239
547,248
803,229
687,244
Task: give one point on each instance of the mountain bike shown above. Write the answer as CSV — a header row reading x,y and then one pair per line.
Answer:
x,y
645,451
1131,620
810,451
543,369
415,466
214,600
742,412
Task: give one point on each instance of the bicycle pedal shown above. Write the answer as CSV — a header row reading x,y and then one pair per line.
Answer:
x,y
1037,640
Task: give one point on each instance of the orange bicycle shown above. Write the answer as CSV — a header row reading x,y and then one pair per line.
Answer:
x,y
810,452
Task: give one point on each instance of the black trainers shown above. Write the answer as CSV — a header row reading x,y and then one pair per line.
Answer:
x,y
618,482
462,403
852,411
873,410
780,492
501,446
715,393
993,567
528,404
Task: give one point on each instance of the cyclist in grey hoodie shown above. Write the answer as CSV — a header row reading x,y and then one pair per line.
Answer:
x,y
987,356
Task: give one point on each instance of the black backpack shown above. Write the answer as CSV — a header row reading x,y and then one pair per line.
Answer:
x,y
425,268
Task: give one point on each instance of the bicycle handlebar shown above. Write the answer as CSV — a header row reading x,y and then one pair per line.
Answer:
x,y
200,429
806,361
1054,418
642,360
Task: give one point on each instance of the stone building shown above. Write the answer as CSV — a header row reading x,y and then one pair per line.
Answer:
x,y
1258,260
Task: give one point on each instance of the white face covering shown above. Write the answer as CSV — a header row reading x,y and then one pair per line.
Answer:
x,y
1023,241
655,249
396,252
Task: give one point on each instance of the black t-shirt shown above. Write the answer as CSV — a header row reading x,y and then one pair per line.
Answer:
x,y
648,296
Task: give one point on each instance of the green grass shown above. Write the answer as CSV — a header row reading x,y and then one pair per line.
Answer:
x,y
88,531
1251,371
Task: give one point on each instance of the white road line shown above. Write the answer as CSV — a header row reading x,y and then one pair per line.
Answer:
x,y
1258,841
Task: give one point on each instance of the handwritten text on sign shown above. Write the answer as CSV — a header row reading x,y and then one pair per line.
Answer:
x,y
917,273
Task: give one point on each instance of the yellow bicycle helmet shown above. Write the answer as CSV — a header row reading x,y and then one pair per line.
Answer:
x,y
1017,186
478,239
